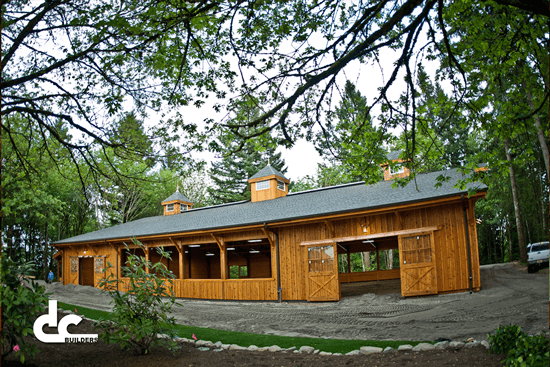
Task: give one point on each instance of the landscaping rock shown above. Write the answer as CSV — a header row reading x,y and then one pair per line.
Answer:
x,y
405,347
203,349
274,348
423,347
297,351
236,347
306,349
217,350
253,348
370,350
203,343
336,354
316,351
441,345
290,349
486,344
325,353
218,344
226,346
353,353
389,350
472,344
456,345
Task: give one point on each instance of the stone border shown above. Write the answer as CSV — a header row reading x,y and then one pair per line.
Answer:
x,y
206,345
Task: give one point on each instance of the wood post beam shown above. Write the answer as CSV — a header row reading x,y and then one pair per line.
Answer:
x,y
271,243
178,247
146,250
223,256
116,248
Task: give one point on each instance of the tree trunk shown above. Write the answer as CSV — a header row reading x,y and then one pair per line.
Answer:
x,y
540,133
522,249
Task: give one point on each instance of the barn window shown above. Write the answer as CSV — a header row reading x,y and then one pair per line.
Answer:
x,y
281,185
262,185
170,207
397,170
320,259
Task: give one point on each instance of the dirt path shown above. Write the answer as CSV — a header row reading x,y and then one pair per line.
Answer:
x,y
508,295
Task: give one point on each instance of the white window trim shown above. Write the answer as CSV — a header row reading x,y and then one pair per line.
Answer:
x,y
183,207
281,182
170,207
263,188
401,170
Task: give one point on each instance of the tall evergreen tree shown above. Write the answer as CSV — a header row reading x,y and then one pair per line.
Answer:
x,y
230,175
241,161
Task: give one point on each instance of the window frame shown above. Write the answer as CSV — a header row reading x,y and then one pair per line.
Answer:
x,y
263,182
168,206
281,182
401,170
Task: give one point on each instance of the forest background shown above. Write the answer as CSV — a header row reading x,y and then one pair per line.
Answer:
x,y
80,80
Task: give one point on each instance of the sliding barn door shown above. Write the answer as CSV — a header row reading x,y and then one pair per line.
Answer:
x,y
322,274
418,264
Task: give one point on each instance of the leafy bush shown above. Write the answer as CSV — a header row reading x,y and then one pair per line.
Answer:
x,y
141,313
529,351
505,338
21,304
521,349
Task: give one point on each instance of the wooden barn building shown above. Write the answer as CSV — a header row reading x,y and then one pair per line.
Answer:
x,y
287,246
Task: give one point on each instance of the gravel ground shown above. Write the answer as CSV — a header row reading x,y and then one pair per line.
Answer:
x,y
508,295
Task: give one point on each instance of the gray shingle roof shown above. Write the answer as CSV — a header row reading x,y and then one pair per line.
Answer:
x,y
268,171
393,155
306,204
176,196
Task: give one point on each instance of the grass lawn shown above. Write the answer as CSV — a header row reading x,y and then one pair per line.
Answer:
x,y
259,340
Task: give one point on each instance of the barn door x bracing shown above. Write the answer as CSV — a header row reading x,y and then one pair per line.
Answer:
x,y
322,273
418,264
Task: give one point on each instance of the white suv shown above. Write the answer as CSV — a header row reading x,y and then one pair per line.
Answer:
x,y
538,255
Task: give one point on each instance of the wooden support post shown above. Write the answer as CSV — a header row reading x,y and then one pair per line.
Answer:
x,y
223,256
178,247
146,250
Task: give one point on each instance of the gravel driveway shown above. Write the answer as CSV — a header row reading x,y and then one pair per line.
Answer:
x,y
508,295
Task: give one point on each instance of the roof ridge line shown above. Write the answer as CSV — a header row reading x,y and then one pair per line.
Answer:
x,y
326,188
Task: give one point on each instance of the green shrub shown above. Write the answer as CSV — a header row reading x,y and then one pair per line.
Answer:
x,y
529,351
141,313
21,304
505,338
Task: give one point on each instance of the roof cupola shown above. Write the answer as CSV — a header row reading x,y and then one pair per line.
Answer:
x,y
400,172
176,203
268,184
